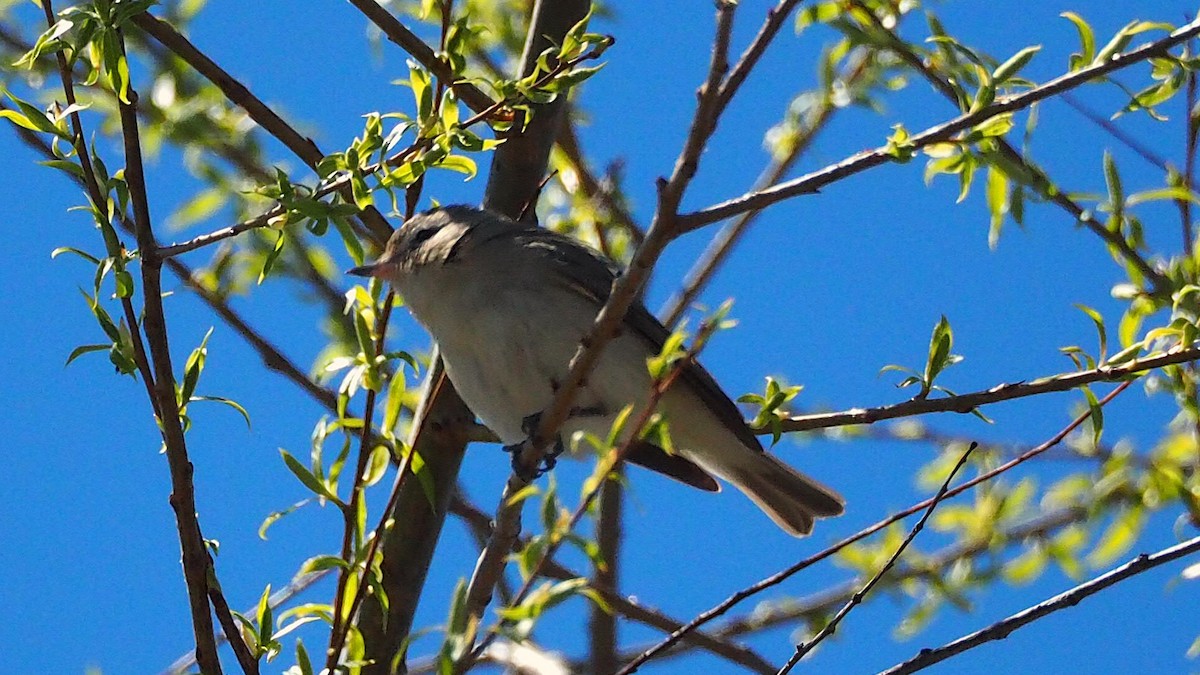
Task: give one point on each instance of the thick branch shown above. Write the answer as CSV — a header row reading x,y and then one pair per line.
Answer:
x,y
519,165
1002,629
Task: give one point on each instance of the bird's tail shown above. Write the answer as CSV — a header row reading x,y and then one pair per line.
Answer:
x,y
790,498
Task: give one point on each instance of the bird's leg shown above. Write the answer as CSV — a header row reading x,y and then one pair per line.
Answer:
x,y
530,426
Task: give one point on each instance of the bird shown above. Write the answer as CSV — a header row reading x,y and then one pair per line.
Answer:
x,y
509,302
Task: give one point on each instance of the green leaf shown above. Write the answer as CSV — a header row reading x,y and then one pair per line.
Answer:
x,y
939,351
198,208
997,201
18,119
994,126
821,12
1027,567
1118,537
394,404
377,464
85,349
226,401
1097,415
459,163
573,78
36,117
307,478
350,240
1123,36
266,619
272,256
193,369
420,82
1116,193
278,515
321,563
1099,321
1014,64
1087,41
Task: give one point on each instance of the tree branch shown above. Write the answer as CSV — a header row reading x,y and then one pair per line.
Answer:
x,y
625,291
813,182
856,599
304,148
1002,629
776,17
602,621
1041,180
965,403
519,165
472,96
196,562
775,579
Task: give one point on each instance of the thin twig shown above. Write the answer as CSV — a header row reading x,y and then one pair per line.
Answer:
x,y
631,608
472,96
723,243
196,561
342,180
1140,149
776,17
1002,629
862,161
779,577
856,599
304,148
965,403
1040,179
625,291
350,515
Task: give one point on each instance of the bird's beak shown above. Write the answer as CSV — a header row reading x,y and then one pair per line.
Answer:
x,y
370,270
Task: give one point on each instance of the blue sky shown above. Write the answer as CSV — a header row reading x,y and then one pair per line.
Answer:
x,y
828,289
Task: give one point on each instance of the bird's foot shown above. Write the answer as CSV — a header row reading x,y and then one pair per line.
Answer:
x,y
527,473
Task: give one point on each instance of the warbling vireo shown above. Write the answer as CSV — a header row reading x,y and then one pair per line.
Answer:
x,y
508,304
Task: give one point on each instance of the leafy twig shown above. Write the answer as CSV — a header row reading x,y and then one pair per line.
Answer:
x,y
263,115
395,31
965,403
814,181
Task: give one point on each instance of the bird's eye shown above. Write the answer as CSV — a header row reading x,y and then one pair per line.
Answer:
x,y
420,236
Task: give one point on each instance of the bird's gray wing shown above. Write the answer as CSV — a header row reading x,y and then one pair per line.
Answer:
x,y
592,276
